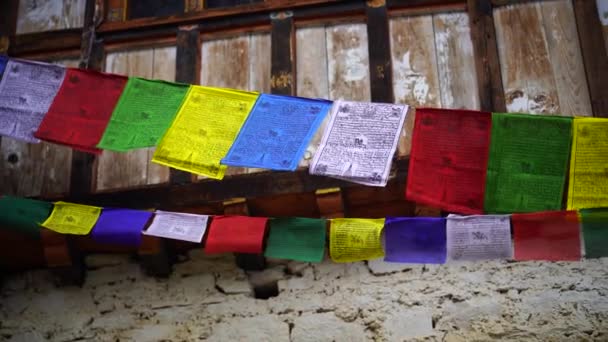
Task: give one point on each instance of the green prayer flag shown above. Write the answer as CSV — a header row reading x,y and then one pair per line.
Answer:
x,y
301,239
23,215
528,163
143,113
595,232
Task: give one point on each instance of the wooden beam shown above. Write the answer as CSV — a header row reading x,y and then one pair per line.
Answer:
x,y
8,23
379,47
485,49
187,70
283,48
595,57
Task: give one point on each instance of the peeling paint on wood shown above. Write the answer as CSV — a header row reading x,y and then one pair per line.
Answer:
x,y
49,15
527,74
455,61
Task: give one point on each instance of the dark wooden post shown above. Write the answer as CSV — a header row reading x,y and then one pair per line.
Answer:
x,y
379,47
485,49
283,49
594,54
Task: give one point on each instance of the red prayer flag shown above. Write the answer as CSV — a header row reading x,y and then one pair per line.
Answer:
x,y
449,158
240,234
82,109
551,235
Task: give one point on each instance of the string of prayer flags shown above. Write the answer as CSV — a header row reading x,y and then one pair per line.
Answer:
x,y
479,237
120,226
595,232
23,215
352,239
277,132
71,218
300,239
528,163
26,92
239,234
204,129
449,158
143,113
81,110
588,183
553,236
178,226
360,142
415,240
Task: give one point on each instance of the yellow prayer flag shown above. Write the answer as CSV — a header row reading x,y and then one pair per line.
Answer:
x,y
588,185
70,218
204,129
355,239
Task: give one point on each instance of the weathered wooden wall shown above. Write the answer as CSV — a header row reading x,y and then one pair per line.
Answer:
x,y
433,64
49,15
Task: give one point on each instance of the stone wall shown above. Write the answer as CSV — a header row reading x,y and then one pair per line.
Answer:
x,y
208,298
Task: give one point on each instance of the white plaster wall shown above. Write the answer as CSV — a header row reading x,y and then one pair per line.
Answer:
x,y
208,298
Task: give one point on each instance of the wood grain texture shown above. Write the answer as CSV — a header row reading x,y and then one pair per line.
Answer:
x,y
348,62
455,61
131,169
379,47
283,54
35,169
527,74
312,77
415,79
259,67
566,58
49,15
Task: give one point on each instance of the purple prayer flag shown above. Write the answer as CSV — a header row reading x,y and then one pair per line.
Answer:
x,y
415,240
120,226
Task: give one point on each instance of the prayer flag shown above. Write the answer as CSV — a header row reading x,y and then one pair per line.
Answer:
x,y
415,240
81,110
479,237
301,239
528,163
360,142
70,218
26,92
120,226
595,232
143,113
552,235
178,226
3,61
449,158
355,239
277,132
204,129
239,234
588,183
23,215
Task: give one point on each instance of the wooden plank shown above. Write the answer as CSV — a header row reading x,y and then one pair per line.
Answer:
x,y
49,15
259,65
487,66
283,54
187,70
415,79
596,60
455,61
566,58
154,8
8,23
311,78
348,62
527,74
379,49
225,63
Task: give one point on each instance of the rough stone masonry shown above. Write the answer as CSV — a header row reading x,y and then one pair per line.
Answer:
x,y
210,299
